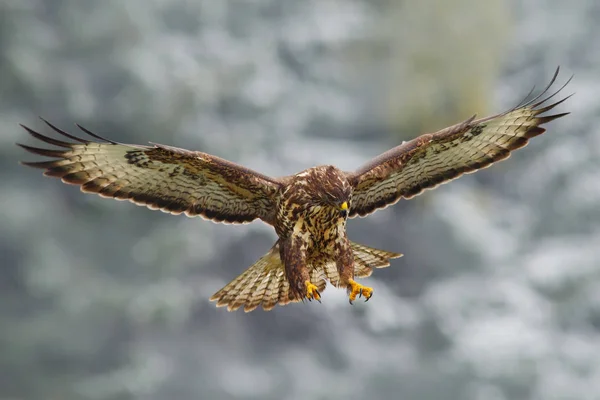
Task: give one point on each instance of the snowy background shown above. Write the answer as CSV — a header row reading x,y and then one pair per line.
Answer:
x,y
497,296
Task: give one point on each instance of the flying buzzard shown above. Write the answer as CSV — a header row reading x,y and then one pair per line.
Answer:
x,y
308,210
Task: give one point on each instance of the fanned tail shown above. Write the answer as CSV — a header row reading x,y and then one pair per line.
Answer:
x,y
365,260
265,283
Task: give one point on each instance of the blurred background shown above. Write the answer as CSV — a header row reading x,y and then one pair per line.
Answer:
x,y
497,296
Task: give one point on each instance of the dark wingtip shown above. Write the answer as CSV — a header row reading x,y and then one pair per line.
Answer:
x,y
62,132
21,145
46,139
30,163
42,152
548,118
524,101
535,101
92,134
542,101
551,106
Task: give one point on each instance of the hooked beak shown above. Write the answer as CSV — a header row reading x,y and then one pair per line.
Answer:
x,y
344,209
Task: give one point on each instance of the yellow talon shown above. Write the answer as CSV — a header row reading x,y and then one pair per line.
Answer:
x,y
356,289
312,292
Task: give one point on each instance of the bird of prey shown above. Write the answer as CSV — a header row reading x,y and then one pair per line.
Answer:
x,y
308,210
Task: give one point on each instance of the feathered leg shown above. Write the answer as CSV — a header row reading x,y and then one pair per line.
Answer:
x,y
293,252
345,267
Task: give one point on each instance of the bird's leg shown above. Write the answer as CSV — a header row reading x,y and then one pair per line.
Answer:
x,y
345,267
293,254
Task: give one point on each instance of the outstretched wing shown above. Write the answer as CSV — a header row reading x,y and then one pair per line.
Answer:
x,y
432,159
159,177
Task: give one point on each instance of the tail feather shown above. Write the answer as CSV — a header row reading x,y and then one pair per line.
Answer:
x,y
258,285
366,258
329,270
285,296
318,278
265,283
275,292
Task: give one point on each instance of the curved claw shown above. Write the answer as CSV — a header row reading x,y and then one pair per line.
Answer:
x,y
357,290
312,292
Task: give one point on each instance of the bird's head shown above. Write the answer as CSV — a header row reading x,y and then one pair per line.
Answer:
x,y
329,190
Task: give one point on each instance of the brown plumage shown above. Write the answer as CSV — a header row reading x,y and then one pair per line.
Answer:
x,y
308,210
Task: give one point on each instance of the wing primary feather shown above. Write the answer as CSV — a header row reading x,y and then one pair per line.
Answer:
x,y
547,118
534,103
524,101
43,152
551,106
543,92
92,134
41,164
58,130
46,139
545,99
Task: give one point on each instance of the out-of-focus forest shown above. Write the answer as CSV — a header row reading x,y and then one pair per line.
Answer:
x,y
497,296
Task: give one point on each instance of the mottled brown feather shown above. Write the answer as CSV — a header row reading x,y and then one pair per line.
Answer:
x,y
433,159
308,210
264,283
160,177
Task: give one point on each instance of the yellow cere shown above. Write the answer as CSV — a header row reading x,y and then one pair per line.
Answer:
x,y
344,206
